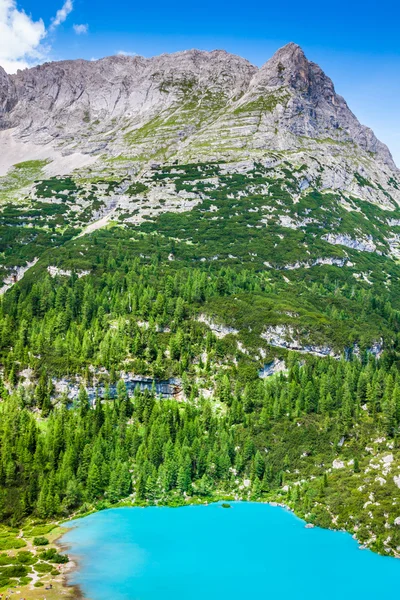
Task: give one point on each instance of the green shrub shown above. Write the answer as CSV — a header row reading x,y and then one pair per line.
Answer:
x,y
52,555
40,541
4,582
25,557
9,543
14,571
6,560
42,567
136,188
39,530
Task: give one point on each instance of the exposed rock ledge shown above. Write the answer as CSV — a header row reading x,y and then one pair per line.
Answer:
x,y
219,330
16,274
343,239
54,271
284,336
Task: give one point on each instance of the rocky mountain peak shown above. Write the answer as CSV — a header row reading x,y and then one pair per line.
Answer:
x,y
290,68
290,54
303,102
195,103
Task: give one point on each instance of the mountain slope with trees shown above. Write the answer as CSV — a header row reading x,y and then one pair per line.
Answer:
x,y
234,234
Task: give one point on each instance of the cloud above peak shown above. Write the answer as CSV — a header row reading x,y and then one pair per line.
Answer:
x,y
20,36
81,29
62,14
125,53
22,39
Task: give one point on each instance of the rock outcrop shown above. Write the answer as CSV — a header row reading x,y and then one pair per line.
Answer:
x,y
8,98
58,100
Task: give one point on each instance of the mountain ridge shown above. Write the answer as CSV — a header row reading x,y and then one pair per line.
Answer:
x,y
80,93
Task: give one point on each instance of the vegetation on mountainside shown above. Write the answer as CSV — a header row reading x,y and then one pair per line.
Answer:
x,y
18,177
279,438
140,315
65,324
192,295
263,104
253,220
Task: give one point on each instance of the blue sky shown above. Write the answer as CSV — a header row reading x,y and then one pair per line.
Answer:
x,y
356,43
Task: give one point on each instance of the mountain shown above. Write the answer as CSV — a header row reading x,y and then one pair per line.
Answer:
x,y
227,232
113,132
234,149
193,106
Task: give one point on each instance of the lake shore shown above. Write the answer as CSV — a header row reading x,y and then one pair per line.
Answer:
x,y
43,584
74,592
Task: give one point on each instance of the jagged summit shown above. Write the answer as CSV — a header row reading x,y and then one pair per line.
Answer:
x,y
290,53
290,67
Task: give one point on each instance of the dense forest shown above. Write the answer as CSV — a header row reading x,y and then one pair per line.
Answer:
x,y
275,438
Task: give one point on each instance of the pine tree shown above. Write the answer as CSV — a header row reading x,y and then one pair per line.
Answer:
x,y
255,489
259,465
389,415
93,486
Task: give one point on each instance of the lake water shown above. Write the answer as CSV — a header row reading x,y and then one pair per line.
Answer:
x,y
250,551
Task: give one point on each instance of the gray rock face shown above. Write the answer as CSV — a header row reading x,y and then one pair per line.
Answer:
x,y
59,99
364,245
199,106
8,98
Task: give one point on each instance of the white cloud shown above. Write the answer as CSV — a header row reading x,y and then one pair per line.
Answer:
x,y
22,38
81,29
62,14
124,53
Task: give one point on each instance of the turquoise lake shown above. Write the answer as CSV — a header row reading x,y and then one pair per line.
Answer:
x,y
210,553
